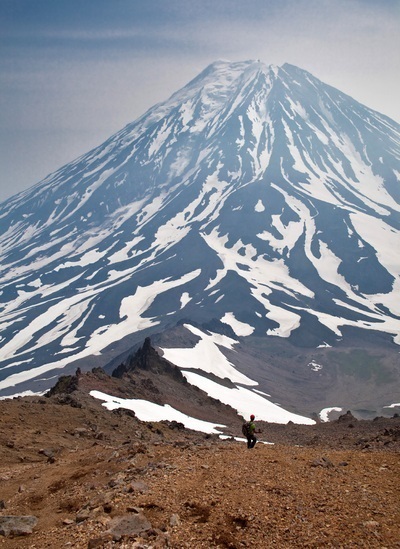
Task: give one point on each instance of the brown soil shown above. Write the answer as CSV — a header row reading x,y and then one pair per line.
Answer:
x,y
77,467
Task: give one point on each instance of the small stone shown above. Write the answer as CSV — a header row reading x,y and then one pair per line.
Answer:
x,y
48,452
371,524
138,486
81,432
174,520
99,542
83,515
322,462
113,483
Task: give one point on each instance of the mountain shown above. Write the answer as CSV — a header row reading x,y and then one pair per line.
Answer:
x,y
256,201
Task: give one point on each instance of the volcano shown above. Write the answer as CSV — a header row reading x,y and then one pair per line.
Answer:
x,y
256,202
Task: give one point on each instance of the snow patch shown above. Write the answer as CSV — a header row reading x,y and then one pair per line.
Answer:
x,y
259,207
243,400
206,356
240,328
23,394
185,298
314,366
324,414
148,411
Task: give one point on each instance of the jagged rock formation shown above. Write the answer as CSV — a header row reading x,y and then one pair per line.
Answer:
x,y
147,359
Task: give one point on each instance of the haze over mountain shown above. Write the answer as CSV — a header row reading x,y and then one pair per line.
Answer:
x,y
256,201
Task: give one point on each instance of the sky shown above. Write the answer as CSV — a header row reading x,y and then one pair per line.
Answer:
x,y
74,72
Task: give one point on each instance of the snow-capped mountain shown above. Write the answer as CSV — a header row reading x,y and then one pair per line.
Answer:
x,y
256,195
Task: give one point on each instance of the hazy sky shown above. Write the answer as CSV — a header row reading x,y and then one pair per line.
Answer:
x,y
73,72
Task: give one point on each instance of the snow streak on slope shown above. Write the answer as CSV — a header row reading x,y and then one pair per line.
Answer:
x,y
255,195
131,321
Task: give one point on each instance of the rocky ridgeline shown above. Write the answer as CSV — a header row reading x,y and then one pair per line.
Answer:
x,y
76,475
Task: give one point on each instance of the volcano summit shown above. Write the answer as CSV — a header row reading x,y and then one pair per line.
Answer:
x,y
257,202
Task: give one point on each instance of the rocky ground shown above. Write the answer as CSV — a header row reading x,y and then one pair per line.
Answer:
x,y
94,478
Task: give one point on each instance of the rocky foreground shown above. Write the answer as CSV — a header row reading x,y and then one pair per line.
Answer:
x,y
86,478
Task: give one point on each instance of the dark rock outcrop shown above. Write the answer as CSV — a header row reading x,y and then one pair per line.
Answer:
x,y
147,359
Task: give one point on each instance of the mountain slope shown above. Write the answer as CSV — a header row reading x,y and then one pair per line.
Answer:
x,y
255,195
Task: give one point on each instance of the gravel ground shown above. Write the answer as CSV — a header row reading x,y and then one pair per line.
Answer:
x,y
94,478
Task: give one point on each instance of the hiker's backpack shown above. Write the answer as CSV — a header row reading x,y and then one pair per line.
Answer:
x,y
246,428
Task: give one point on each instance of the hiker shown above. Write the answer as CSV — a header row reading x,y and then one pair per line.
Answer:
x,y
249,429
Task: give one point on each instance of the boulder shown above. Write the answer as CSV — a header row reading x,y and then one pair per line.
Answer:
x,y
17,525
128,525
